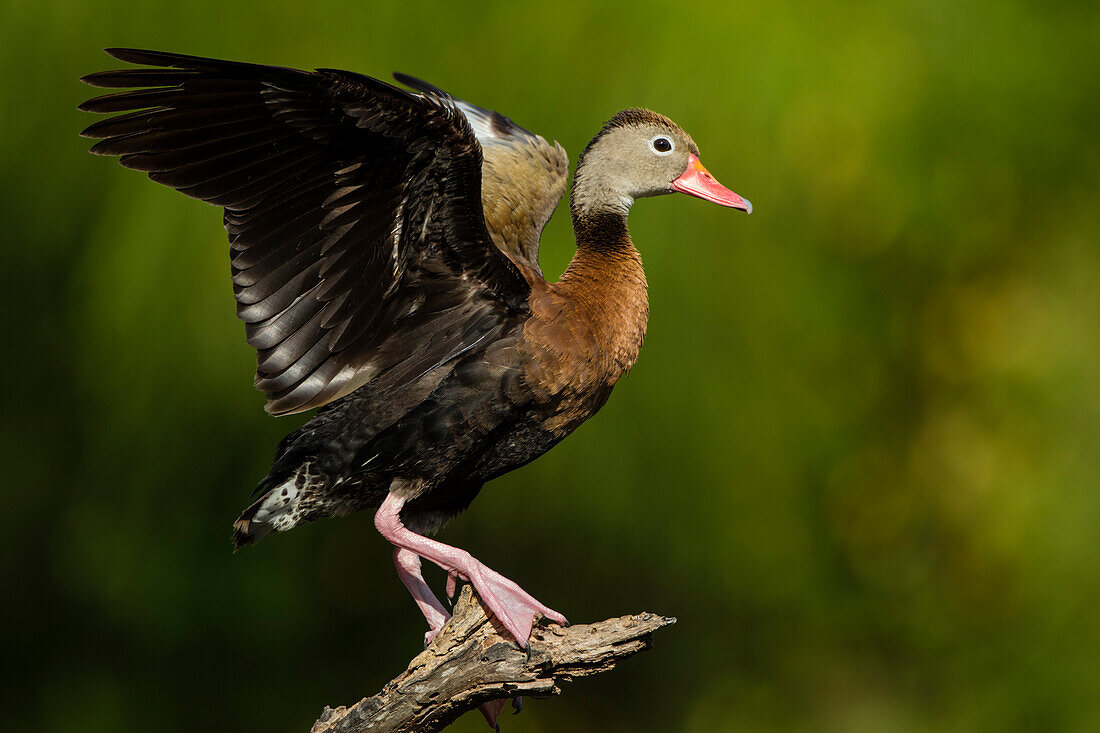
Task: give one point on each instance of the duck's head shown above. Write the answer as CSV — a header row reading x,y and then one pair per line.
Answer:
x,y
640,153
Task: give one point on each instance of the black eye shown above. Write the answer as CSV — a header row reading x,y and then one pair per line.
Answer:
x,y
662,144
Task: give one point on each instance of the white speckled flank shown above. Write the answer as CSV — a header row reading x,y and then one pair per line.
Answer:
x,y
278,508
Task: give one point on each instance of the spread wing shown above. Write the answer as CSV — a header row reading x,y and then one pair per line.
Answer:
x,y
523,176
358,241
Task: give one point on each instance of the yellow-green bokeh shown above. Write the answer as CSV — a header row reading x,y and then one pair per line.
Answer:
x,y
858,457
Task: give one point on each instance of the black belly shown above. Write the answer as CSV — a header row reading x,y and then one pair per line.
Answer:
x,y
511,446
480,422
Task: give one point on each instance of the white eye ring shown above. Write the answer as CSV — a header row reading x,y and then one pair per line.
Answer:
x,y
666,140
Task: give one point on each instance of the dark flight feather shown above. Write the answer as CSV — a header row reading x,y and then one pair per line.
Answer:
x,y
353,210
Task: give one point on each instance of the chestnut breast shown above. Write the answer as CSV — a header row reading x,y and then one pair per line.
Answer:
x,y
583,334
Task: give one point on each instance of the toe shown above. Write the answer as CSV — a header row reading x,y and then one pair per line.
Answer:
x,y
554,616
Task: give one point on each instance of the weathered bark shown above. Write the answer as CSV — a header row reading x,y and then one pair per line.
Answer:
x,y
472,661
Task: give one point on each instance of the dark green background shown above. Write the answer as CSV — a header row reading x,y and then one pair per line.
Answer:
x,y
858,457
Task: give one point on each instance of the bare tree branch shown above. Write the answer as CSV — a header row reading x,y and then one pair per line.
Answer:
x,y
473,661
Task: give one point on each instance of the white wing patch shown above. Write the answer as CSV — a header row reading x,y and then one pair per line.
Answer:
x,y
488,126
480,121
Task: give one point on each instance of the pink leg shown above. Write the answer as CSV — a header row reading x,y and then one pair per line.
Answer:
x,y
512,605
408,570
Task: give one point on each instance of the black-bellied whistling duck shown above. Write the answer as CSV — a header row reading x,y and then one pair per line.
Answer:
x,y
385,262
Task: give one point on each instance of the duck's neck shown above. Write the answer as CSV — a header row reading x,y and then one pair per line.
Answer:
x,y
606,278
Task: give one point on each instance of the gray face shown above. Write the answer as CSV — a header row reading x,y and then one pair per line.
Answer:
x,y
644,160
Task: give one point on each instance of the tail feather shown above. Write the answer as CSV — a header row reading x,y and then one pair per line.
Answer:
x,y
247,531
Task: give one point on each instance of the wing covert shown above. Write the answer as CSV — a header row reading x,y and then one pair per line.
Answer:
x,y
523,176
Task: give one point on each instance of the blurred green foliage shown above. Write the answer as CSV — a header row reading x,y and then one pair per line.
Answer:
x,y
858,458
